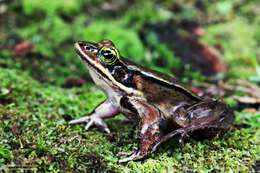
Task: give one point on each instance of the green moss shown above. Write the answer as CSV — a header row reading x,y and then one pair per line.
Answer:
x,y
158,52
35,132
249,118
5,154
126,40
235,151
50,7
144,12
232,35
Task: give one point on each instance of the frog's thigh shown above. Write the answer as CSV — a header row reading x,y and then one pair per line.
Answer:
x,y
207,112
207,122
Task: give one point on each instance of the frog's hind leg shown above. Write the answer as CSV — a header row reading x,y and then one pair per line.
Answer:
x,y
216,127
203,126
183,132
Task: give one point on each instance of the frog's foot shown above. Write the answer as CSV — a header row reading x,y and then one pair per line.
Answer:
x,y
124,153
183,137
136,155
181,131
91,121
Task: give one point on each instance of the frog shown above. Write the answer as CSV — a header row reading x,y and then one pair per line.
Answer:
x,y
161,106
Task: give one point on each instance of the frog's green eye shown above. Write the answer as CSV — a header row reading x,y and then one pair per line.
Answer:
x,y
109,55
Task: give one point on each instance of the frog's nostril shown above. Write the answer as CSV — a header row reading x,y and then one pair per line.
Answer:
x,y
87,48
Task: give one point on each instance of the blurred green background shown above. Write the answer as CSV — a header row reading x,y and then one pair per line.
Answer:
x,y
43,83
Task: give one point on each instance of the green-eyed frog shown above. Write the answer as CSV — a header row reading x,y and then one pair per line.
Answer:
x,y
161,106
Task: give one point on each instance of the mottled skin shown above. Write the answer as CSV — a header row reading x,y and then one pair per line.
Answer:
x,y
158,103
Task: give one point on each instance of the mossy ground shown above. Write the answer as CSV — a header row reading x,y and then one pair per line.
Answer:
x,y
34,132
35,107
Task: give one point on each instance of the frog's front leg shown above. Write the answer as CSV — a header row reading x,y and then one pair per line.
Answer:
x,y
149,134
103,111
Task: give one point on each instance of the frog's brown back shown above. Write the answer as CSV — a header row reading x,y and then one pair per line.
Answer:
x,y
159,87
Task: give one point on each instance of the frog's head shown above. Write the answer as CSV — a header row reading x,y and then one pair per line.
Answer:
x,y
98,55
102,58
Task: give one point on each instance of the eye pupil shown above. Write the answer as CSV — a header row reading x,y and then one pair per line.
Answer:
x,y
108,54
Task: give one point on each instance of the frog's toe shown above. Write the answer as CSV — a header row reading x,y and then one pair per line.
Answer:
x,y
99,123
80,120
135,156
124,153
89,124
92,121
184,136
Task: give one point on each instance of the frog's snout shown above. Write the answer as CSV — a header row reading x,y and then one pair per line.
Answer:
x,y
79,44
